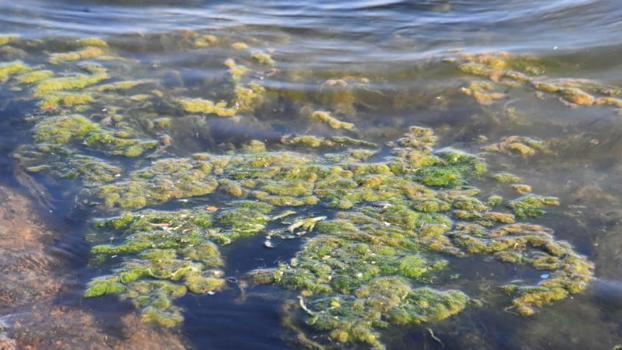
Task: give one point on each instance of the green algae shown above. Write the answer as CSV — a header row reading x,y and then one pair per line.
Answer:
x,y
312,141
56,100
34,76
519,145
6,39
236,71
506,178
11,69
393,222
504,70
382,222
90,52
263,58
66,164
532,205
333,122
62,130
74,82
167,254
165,180
203,106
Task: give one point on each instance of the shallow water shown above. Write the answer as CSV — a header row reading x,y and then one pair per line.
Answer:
x,y
381,65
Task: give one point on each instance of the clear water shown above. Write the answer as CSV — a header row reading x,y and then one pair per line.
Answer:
x,y
405,49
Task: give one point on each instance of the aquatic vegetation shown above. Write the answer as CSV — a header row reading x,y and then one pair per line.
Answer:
x,y
263,58
164,180
247,99
237,71
10,69
74,82
205,41
62,130
239,46
341,95
86,53
312,141
54,101
203,106
122,85
66,164
483,92
520,145
333,122
34,77
167,254
505,70
506,178
92,42
532,205
6,39
383,224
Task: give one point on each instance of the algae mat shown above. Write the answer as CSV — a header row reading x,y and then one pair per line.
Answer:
x,y
382,222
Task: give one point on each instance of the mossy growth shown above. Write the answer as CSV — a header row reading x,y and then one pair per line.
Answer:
x,y
167,254
56,100
247,99
313,141
6,39
333,122
519,145
164,180
205,40
203,106
122,85
237,71
532,205
62,130
504,70
93,42
74,82
506,178
11,69
263,58
90,52
60,162
34,77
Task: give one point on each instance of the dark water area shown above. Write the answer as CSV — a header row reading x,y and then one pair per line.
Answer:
x,y
474,72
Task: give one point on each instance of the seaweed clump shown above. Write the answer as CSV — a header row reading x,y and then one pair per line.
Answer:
x,y
168,254
372,263
504,70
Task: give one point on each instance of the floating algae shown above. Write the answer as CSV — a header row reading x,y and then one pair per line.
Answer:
x,y
10,69
333,122
203,106
520,145
86,53
505,70
384,224
369,266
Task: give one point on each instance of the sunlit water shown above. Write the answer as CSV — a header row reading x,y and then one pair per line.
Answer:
x,y
406,50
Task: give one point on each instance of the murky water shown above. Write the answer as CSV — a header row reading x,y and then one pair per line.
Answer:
x,y
476,73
